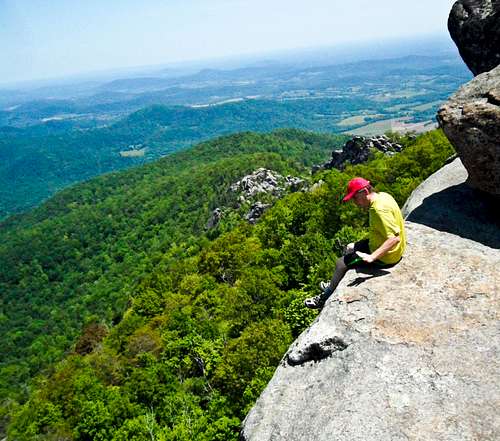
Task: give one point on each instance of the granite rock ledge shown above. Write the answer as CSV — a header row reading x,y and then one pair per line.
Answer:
x,y
419,357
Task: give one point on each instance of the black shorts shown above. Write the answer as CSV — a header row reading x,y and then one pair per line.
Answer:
x,y
352,260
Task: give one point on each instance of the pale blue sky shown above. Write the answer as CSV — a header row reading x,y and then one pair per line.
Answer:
x,y
53,38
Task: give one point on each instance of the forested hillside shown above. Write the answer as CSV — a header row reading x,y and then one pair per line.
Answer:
x,y
39,160
77,258
181,328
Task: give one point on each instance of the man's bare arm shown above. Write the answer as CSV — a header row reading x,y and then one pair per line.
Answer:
x,y
382,250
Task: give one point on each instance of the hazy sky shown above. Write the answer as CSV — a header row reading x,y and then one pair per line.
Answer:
x,y
53,38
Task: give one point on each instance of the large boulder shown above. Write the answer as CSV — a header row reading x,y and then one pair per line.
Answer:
x,y
474,25
412,352
471,121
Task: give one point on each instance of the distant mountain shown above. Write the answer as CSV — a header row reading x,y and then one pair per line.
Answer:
x,y
106,102
66,141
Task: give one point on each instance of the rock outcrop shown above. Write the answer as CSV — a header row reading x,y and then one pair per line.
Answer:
x,y
408,353
446,203
265,181
471,121
474,26
256,211
257,191
214,219
358,150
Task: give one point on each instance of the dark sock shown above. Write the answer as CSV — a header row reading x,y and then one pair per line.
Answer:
x,y
324,296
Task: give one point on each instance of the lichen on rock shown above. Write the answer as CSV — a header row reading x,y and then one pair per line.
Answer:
x,y
474,27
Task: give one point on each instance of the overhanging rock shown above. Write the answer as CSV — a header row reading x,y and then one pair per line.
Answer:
x,y
474,26
471,121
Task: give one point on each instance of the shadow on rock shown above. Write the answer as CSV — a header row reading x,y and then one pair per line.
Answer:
x,y
463,211
370,272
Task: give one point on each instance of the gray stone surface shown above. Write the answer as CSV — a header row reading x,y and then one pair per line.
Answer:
x,y
471,121
474,26
214,219
451,174
446,203
413,354
256,212
408,353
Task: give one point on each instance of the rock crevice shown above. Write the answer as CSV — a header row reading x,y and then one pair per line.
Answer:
x,y
316,351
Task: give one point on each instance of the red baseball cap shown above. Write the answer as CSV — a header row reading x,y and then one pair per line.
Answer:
x,y
354,186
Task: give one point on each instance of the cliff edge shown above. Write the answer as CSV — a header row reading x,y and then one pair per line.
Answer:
x,y
412,353
409,353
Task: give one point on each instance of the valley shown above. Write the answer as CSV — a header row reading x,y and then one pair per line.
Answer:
x,y
60,139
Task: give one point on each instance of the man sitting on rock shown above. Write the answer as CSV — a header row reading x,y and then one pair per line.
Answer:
x,y
385,244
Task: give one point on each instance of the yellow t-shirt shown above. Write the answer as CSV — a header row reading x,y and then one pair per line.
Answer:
x,y
386,221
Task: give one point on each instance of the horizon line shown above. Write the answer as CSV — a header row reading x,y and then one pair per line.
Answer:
x,y
93,75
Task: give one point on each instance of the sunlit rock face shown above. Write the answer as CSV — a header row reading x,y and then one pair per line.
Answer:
x,y
471,118
474,26
412,352
471,121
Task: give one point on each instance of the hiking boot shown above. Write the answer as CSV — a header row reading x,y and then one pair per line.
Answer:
x,y
315,302
325,286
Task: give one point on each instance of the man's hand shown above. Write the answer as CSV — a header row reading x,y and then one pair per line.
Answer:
x,y
366,257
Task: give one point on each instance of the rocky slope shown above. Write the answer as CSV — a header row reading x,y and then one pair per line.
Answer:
x,y
406,353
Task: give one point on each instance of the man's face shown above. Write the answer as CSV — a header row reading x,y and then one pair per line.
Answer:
x,y
360,198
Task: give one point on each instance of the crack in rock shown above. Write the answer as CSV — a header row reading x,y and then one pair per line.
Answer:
x,y
317,351
493,97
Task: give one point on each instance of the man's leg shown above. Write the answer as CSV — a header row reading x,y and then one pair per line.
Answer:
x,y
318,301
340,270
344,263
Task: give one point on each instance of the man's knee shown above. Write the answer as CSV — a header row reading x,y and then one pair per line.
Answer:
x,y
349,248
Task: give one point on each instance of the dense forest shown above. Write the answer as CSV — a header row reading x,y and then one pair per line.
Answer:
x,y
39,160
169,331
77,256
